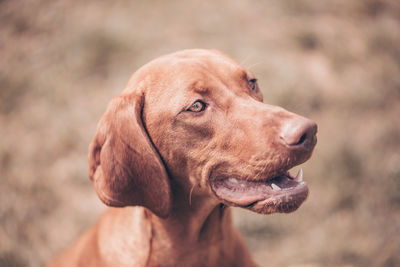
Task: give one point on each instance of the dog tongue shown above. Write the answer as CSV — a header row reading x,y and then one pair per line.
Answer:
x,y
239,198
244,193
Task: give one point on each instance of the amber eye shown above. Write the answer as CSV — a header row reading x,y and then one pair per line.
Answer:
x,y
197,106
253,84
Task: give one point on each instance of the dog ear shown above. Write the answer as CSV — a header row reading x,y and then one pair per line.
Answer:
x,y
123,163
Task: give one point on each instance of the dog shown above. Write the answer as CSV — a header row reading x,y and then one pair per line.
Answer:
x,y
188,138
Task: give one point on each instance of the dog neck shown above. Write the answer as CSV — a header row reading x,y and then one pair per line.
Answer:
x,y
194,219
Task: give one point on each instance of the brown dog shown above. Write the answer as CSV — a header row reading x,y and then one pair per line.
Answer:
x,y
188,137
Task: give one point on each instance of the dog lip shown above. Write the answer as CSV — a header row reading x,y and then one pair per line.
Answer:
x,y
282,193
284,203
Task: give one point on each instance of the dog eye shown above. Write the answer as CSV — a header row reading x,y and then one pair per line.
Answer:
x,y
253,84
197,106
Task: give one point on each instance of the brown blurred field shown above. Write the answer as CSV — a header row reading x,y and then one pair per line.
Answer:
x,y
337,62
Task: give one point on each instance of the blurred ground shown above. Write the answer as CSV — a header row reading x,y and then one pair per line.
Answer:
x,y
337,62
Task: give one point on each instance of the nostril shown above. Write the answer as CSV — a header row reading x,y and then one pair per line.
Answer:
x,y
302,139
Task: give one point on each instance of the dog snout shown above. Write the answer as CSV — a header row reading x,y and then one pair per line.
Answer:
x,y
299,133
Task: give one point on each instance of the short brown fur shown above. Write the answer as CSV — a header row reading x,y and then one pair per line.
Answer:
x,y
155,159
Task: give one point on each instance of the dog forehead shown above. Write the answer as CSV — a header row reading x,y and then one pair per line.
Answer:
x,y
197,66
185,70
186,66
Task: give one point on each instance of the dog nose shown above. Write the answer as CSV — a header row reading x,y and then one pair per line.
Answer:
x,y
299,133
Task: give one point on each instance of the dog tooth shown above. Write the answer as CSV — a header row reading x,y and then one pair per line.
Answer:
x,y
299,176
275,187
233,180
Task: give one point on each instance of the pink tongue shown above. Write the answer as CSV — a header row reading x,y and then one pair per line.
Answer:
x,y
244,193
241,192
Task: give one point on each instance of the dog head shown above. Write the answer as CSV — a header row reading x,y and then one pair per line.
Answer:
x,y
196,119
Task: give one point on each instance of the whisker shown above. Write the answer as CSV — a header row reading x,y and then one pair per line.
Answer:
x,y
255,64
190,195
243,62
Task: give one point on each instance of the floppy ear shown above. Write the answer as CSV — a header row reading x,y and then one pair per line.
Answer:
x,y
123,163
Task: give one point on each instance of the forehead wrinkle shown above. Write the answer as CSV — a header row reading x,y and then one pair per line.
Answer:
x,y
203,76
222,84
200,87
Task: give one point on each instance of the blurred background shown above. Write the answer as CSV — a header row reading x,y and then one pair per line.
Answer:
x,y
337,62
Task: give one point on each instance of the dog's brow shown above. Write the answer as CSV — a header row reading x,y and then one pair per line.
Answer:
x,y
202,90
245,75
199,87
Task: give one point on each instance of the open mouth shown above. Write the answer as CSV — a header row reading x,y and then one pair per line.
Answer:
x,y
283,193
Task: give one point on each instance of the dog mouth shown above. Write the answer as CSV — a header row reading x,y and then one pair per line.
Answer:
x,y
283,193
